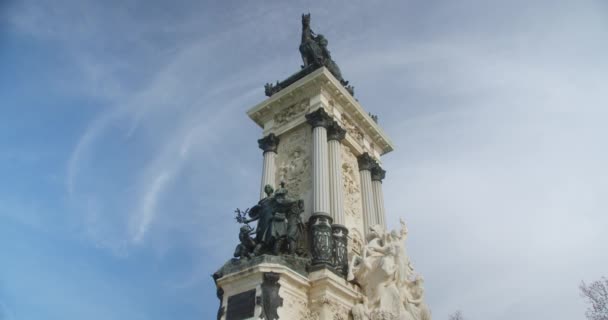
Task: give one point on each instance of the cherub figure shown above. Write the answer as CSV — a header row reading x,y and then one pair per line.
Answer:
x,y
245,248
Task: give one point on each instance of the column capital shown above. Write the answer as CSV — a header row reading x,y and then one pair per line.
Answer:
x,y
335,132
378,174
269,143
319,118
366,162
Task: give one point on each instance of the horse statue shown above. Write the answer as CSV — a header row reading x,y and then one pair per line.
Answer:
x,y
313,49
309,47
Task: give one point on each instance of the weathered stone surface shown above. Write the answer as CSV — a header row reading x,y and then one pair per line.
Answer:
x,y
294,165
288,114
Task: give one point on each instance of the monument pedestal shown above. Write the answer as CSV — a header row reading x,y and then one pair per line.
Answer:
x,y
330,295
279,287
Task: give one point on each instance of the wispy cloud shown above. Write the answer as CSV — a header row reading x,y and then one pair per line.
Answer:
x,y
496,111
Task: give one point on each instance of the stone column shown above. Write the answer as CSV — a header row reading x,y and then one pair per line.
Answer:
x,y
320,120
366,164
322,246
269,145
335,134
378,175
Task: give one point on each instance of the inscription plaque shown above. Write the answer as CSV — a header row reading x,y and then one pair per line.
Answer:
x,y
241,306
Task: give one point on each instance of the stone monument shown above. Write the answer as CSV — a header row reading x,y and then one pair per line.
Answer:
x,y
319,248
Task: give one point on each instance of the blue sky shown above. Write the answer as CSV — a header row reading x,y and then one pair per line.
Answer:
x,y
125,146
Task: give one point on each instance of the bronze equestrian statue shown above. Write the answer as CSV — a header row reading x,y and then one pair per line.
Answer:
x,y
314,52
313,49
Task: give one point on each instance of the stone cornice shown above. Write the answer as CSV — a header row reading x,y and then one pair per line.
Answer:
x,y
319,118
378,174
321,80
269,143
335,132
366,162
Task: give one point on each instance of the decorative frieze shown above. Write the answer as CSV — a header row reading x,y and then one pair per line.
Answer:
x,y
351,129
286,115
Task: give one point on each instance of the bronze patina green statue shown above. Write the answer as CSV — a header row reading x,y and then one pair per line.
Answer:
x,y
313,49
314,52
278,225
263,213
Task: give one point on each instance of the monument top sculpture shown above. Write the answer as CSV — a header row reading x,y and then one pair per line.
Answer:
x,y
315,54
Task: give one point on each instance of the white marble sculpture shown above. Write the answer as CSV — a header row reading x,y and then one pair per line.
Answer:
x,y
391,289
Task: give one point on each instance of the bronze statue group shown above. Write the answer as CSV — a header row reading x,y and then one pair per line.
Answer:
x,y
279,225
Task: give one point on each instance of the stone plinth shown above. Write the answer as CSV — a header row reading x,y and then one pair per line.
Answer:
x,y
280,287
331,296
279,284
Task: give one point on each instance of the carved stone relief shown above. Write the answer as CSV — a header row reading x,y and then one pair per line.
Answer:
x,y
294,166
286,115
353,218
355,242
390,286
351,129
295,307
338,311
352,186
